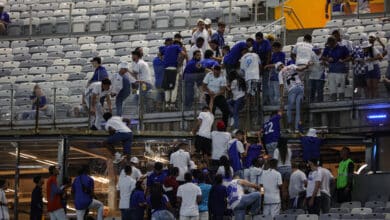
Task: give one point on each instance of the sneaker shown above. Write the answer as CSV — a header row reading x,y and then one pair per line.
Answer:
x,y
231,121
288,130
118,158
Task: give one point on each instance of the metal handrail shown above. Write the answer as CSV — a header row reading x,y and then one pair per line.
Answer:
x,y
292,11
282,22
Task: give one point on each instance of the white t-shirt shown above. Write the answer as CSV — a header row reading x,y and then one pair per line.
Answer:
x,y
297,183
304,51
126,185
289,77
142,70
188,193
213,83
271,180
240,146
249,64
204,34
116,123
325,181
135,173
221,170
347,44
317,69
314,176
375,62
220,142
237,92
288,158
180,159
193,49
4,214
235,192
255,174
388,52
96,89
117,82
207,122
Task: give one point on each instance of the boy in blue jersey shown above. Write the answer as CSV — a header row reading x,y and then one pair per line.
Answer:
x,y
158,66
277,56
271,132
208,61
232,59
311,144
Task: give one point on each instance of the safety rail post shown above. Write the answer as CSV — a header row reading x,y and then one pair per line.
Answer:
x,y
70,20
190,10
12,107
30,22
54,107
230,14
109,17
16,179
150,17
358,9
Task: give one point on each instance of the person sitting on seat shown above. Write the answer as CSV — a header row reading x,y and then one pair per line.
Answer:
x,y
39,102
4,19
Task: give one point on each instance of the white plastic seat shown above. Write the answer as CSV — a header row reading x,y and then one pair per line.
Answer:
x,y
20,50
51,41
91,47
351,205
122,45
79,24
105,46
373,28
86,40
103,39
128,21
26,78
96,23
361,211
18,43
61,13
6,57
68,41
79,12
369,21
72,69
41,78
320,32
4,44
152,43
355,29
19,71
107,53
162,21
307,217
37,70
11,64
137,37
61,62
55,69
238,30
55,48
73,54
352,22
59,77
145,21
39,56
140,43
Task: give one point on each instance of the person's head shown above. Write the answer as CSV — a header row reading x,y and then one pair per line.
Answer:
x,y
283,149
174,171
53,171
107,116
199,42
218,179
140,50
279,66
259,37
134,161
257,162
128,170
179,43
225,50
273,163
214,44
177,37
197,55
336,34
188,177
84,170
344,153
221,27
221,126
205,109
158,167
200,24
106,84
295,165
250,42
140,185
217,70
135,55
244,50
276,47
38,180
372,38
207,23
313,164
96,62
307,38
208,54
3,183
239,135
123,68
37,90
168,41
331,42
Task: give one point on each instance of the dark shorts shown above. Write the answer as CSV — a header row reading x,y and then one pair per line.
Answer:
x,y
125,138
375,73
169,80
203,145
360,81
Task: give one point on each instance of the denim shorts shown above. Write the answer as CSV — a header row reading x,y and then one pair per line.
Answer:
x,y
285,171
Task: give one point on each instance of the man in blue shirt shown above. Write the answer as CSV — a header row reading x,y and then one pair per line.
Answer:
x,y
83,191
277,56
36,210
158,66
158,176
194,72
218,35
337,57
271,132
121,86
232,59
208,62
311,145
100,72
263,48
4,19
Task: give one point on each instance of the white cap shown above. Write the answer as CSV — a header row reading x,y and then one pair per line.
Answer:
x,y
124,65
312,132
207,21
2,4
134,160
372,35
200,20
278,64
365,44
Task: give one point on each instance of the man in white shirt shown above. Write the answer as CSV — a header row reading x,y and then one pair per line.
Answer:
x,y
141,72
180,159
121,83
135,172
202,130
271,181
250,65
119,132
220,142
201,31
239,202
313,190
126,185
197,46
296,188
189,196
289,78
303,51
236,152
91,99
326,181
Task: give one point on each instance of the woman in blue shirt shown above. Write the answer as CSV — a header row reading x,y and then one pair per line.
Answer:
x,y
39,102
205,188
159,203
138,202
217,199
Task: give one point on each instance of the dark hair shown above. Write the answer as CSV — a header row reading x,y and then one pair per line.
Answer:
x,y
97,60
177,36
241,132
257,162
346,149
2,182
277,44
178,43
52,169
156,195
283,149
84,169
208,54
273,163
250,40
331,39
195,52
295,165
273,113
205,108
200,39
218,179
36,179
188,177
240,81
307,37
174,171
107,116
138,185
203,178
221,24
136,53
336,32
128,170
224,161
214,41
106,81
158,166
259,35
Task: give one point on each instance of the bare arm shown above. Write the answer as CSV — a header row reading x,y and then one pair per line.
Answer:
x,y
198,199
196,127
93,103
248,184
108,99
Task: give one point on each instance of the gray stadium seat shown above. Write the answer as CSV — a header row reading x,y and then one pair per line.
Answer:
x,y
153,36
20,50
37,70
52,41
361,211
76,76
128,22
123,52
120,38
78,61
285,217
89,54
105,46
39,56
112,22
137,37
384,197
26,64
352,22
86,40
307,217
94,11
4,44
374,204
294,211
103,39
38,49
88,47
107,60
331,216
73,69
18,43
19,71
69,41
79,24
339,210
5,72
14,29
96,23
34,43
41,78
62,25
87,68
375,216
61,62
71,47
162,21
55,69
55,55
60,77
55,48
351,205
26,78
46,25
107,53
353,216
382,210
122,45
8,57
145,21
11,64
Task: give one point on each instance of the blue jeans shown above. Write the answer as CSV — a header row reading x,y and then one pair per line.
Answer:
x,y
274,92
251,201
316,90
265,88
235,107
125,138
137,213
120,98
162,215
189,81
126,214
295,95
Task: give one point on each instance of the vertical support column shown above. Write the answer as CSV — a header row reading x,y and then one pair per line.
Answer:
x,y
230,14
111,197
70,19
150,16
61,161
256,11
17,176
109,17
190,10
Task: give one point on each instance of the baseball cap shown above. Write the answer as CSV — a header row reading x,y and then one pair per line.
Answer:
x,y
207,21
123,65
221,125
97,59
134,160
200,20
278,64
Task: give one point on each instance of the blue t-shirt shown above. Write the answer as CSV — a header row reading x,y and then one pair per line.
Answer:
x,y
205,188
311,147
42,102
336,7
158,66
272,129
208,63
171,54
254,151
217,200
337,53
4,16
99,74
218,37
156,178
233,57
192,68
290,62
277,57
82,199
164,201
137,197
262,49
